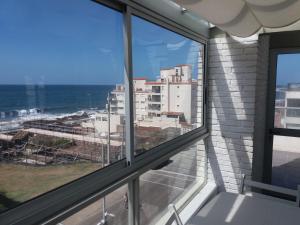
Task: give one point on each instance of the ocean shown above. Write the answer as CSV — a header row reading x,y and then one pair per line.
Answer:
x,y
17,101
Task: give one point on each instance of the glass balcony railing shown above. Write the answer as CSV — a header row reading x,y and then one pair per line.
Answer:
x,y
110,210
170,183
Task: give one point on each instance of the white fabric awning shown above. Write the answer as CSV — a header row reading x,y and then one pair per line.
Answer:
x,y
245,17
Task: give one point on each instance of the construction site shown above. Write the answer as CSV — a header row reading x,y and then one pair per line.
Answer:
x,y
64,141
52,142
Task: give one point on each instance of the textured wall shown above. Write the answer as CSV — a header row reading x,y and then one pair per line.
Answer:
x,y
234,70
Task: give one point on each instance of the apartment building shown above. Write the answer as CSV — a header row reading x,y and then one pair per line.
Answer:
x,y
291,112
171,95
99,121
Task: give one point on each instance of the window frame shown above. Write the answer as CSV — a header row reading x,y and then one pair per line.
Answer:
x,y
54,206
279,43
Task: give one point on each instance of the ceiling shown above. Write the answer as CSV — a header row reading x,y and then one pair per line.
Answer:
x,y
244,18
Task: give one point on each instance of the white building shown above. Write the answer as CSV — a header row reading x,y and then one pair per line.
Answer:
x,y
170,95
99,122
291,118
117,104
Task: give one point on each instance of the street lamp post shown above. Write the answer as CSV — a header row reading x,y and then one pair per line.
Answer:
x,y
108,135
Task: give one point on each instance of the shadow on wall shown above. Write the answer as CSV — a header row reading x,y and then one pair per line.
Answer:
x,y
232,71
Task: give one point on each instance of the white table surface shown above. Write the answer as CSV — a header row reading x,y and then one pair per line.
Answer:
x,y
234,209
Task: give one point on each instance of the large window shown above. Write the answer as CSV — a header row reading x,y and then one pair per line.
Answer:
x,y
286,153
168,84
59,75
84,90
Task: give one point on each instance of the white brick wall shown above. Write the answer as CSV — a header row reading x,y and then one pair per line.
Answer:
x,y
234,69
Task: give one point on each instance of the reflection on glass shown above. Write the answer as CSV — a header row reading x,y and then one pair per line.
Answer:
x,y
286,161
168,75
169,183
287,105
286,152
57,70
113,212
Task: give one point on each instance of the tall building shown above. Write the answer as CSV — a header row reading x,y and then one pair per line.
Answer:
x,y
171,95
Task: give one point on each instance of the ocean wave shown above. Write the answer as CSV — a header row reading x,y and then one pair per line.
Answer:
x,y
13,120
37,113
19,113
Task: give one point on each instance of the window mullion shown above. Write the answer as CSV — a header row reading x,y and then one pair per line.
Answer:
x,y
133,185
129,127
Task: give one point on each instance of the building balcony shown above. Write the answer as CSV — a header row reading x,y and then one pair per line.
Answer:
x,y
117,104
155,89
113,99
155,93
287,117
154,107
154,102
154,98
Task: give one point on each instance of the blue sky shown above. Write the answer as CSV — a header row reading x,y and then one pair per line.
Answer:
x,y
288,69
155,47
80,42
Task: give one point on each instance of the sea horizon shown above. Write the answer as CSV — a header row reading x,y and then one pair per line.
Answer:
x,y
23,100
58,84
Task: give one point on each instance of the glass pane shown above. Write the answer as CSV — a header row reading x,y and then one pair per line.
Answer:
x,y
287,106
168,76
171,182
111,210
286,161
57,70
